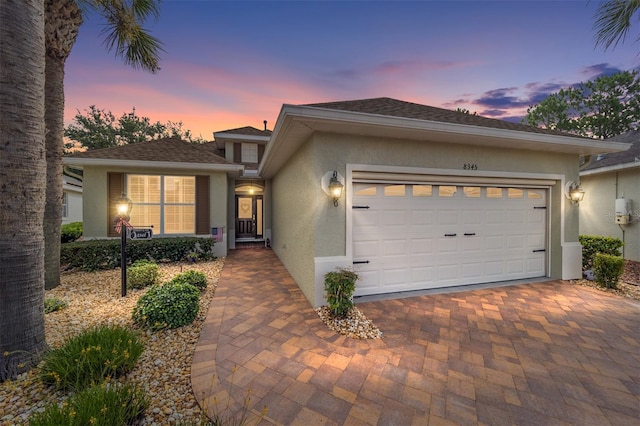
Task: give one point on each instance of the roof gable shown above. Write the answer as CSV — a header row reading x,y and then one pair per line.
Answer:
x,y
612,159
245,131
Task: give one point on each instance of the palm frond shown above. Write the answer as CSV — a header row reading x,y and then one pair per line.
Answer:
x,y
613,20
125,35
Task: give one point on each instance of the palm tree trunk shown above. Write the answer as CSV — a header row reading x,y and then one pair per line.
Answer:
x,y
54,124
22,184
62,21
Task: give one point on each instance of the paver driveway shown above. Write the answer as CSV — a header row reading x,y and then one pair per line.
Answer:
x,y
535,354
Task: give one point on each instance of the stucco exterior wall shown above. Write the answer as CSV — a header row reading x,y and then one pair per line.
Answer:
x,y
597,210
95,200
334,152
296,195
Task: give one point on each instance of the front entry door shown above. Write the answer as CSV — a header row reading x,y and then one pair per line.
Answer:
x,y
248,216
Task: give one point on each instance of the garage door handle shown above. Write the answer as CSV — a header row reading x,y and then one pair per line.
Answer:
x,y
539,250
450,235
469,233
358,262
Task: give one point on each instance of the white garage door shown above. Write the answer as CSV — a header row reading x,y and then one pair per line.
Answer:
x,y
411,237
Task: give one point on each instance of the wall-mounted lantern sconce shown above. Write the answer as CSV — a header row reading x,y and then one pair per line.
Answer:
x,y
573,192
333,185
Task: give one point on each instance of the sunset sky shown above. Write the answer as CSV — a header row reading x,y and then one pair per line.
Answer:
x,y
230,64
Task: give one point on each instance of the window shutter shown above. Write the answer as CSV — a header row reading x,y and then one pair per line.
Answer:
x,y
115,188
237,153
261,152
202,205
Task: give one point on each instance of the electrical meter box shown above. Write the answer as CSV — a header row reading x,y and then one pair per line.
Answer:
x,y
622,211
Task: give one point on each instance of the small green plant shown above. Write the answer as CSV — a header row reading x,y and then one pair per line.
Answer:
x,y
193,256
591,245
607,269
70,232
169,305
99,405
52,304
142,273
91,357
195,278
339,286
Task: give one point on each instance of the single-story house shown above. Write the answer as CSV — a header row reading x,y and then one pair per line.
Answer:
x,y
612,206
71,199
430,197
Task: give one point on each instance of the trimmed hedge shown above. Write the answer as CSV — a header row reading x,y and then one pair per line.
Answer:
x,y
94,255
592,244
195,278
169,305
608,269
143,273
70,232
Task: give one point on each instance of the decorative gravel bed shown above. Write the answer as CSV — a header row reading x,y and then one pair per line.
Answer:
x,y
163,369
355,325
628,285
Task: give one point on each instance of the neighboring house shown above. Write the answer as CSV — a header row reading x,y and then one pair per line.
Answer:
x,y
605,179
71,199
432,198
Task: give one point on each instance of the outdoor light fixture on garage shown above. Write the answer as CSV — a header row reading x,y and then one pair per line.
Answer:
x,y
573,192
333,184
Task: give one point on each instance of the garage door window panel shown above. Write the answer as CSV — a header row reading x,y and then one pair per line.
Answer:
x,y
395,190
471,191
422,190
447,191
494,192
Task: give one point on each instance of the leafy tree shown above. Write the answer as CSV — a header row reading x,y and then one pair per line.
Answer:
x,y
125,36
599,108
22,184
466,111
97,128
613,20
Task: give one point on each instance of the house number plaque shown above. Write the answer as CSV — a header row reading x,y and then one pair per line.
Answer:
x,y
470,166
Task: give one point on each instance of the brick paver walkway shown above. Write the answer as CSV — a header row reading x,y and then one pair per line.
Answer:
x,y
548,353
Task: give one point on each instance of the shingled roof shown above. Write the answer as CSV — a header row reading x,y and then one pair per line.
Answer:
x,y
165,150
246,131
630,156
397,108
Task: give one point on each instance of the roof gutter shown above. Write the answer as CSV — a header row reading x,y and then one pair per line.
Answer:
x,y
83,162
223,135
608,169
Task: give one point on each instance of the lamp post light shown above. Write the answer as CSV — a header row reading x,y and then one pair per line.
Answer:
x,y
123,207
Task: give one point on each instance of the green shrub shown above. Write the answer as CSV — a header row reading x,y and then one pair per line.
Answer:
x,y
94,255
339,286
195,278
70,232
91,357
99,405
142,273
607,269
591,245
169,305
52,304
